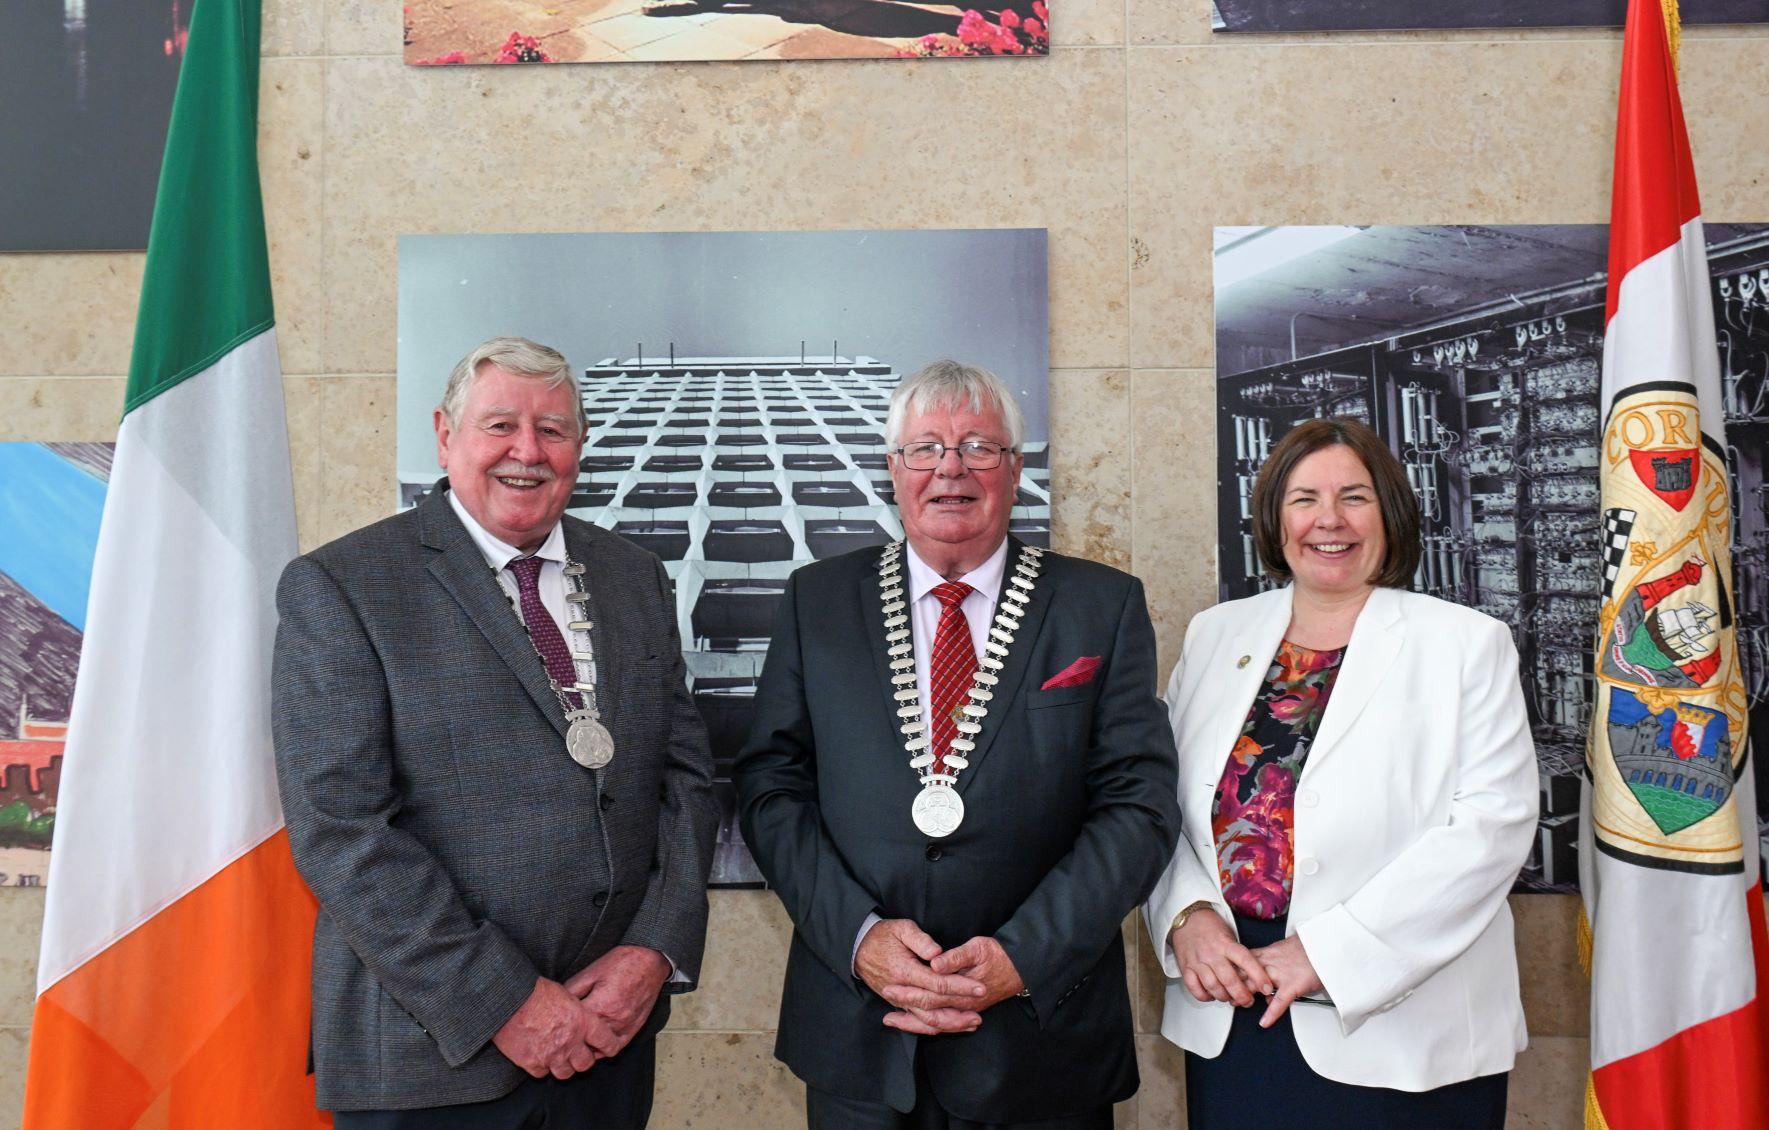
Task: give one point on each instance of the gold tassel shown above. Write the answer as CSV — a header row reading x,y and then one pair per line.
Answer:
x,y
1673,29
1584,943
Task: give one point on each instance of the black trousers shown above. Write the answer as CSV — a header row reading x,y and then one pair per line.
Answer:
x,y
615,1094
1261,1079
824,1111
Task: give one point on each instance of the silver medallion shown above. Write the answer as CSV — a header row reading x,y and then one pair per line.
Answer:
x,y
589,743
938,810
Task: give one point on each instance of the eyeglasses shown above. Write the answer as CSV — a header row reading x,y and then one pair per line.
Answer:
x,y
977,454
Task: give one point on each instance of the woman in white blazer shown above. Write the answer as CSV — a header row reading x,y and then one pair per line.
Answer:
x,y
1359,791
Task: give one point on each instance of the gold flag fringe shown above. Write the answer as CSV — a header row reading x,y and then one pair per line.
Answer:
x,y
1673,28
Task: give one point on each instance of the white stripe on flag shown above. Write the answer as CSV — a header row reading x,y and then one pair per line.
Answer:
x,y
171,710
1652,336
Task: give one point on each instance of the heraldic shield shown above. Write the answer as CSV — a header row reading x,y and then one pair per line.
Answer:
x,y
1670,694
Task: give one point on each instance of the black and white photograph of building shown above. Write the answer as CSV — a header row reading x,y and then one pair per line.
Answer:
x,y
1379,15
736,385
1476,352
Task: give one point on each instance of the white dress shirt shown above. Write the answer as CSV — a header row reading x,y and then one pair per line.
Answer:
x,y
924,619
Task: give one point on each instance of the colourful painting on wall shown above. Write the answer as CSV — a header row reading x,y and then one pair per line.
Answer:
x,y
631,31
51,498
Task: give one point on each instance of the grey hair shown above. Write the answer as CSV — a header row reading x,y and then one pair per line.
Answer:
x,y
515,355
951,384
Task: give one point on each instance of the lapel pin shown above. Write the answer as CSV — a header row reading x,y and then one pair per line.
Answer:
x,y
1243,661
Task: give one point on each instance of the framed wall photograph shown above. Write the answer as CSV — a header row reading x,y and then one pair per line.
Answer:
x,y
1391,15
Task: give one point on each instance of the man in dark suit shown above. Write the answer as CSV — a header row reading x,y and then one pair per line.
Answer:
x,y
959,779
495,782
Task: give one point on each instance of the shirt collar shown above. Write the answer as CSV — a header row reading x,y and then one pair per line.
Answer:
x,y
985,578
498,553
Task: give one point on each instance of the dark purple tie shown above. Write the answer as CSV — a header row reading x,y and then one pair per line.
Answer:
x,y
541,628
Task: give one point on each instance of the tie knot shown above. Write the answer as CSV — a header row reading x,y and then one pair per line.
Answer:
x,y
527,570
951,594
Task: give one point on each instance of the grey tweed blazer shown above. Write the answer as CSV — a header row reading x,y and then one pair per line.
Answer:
x,y
456,850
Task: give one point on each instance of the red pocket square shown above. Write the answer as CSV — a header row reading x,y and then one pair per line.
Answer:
x,y
1076,674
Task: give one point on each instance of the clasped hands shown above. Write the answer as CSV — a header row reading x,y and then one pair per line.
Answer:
x,y
562,1029
1216,967
935,990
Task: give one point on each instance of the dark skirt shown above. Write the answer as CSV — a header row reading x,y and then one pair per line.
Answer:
x,y
1261,1079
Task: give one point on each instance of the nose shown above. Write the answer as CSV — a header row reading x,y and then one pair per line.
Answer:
x,y
954,469
1329,515
525,445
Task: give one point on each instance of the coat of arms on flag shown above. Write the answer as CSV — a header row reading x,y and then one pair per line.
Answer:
x,y
1670,690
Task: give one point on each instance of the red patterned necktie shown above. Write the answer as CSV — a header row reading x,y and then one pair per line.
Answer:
x,y
542,629
953,664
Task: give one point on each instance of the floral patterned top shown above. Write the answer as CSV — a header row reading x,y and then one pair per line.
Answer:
x,y
1254,815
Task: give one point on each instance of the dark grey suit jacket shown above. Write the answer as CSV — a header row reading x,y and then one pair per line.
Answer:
x,y
1071,813
456,849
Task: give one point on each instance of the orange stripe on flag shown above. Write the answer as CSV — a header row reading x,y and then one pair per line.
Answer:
x,y
1715,1076
195,1020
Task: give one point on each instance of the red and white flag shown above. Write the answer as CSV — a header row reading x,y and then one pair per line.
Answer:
x,y
1669,850
173,979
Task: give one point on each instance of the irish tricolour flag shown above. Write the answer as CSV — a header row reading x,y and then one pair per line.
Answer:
x,y
173,983
1669,861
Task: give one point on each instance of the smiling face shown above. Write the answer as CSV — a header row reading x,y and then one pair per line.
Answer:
x,y
953,516
512,458
1333,539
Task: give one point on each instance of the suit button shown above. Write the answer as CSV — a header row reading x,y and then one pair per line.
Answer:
x,y
1308,865
599,898
607,801
1308,798
934,853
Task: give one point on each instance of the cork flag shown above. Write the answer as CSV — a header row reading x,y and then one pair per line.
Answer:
x,y
173,978
1669,853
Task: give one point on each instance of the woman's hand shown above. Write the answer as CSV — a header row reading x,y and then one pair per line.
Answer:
x,y
1214,966
1288,964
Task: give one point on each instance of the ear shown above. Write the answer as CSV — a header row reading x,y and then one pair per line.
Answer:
x,y
443,432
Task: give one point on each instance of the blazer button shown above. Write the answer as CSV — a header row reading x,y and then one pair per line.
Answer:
x,y
934,853
1308,798
1308,865
607,801
599,898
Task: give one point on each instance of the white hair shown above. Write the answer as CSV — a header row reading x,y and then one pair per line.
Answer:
x,y
514,355
950,384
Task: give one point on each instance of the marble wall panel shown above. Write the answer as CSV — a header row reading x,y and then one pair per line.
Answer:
x,y
49,409
290,166
1548,1085
1556,993
727,146
21,925
1090,464
15,1044
68,314
293,27
1173,499
724,1081
356,457
745,965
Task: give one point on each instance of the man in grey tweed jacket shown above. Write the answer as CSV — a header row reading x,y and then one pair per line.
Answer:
x,y
497,922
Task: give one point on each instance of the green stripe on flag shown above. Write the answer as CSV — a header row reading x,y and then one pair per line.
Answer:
x,y
207,287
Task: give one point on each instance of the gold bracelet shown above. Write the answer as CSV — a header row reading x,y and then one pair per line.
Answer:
x,y
1179,919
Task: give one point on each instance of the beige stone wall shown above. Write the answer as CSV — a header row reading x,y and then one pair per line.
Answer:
x,y
1137,135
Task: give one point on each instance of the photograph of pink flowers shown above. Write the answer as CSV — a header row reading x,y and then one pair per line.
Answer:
x,y
458,32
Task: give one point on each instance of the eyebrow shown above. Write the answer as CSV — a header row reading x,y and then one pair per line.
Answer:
x,y
497,410
1342,490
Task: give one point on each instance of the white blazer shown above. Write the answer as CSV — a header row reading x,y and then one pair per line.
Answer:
x,y
1414,812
